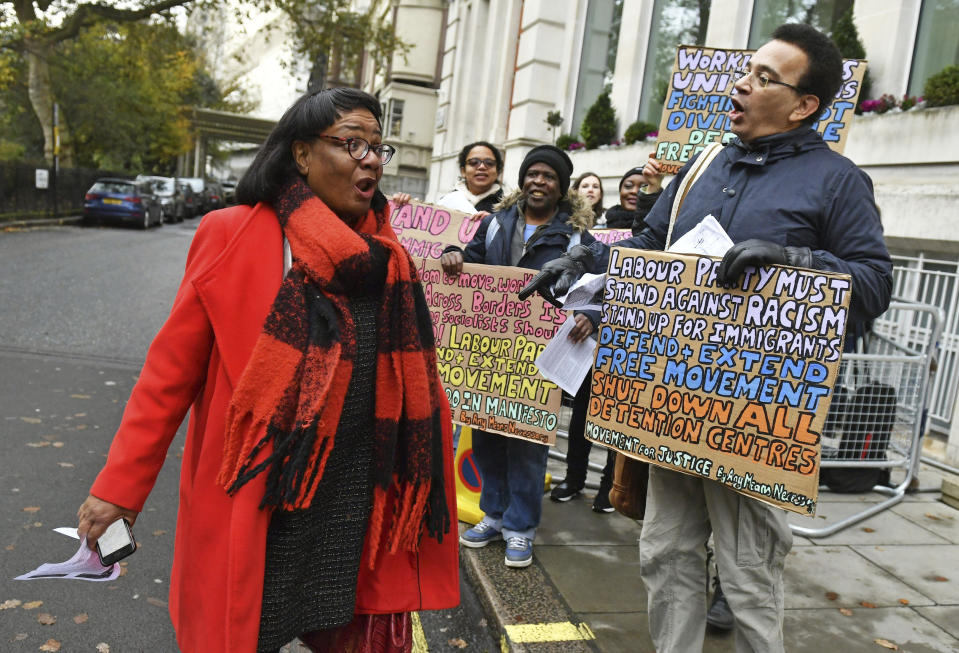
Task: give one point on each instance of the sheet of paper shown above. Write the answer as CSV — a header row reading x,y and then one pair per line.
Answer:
x,y
84,565
565,362
707,238
584,293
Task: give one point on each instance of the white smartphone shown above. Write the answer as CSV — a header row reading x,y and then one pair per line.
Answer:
x,y
116,542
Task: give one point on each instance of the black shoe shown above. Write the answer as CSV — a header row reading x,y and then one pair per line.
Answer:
x,y
601,502
719,615
564,492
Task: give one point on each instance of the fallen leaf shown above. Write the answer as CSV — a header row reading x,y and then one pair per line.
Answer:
x,y
845,612
37,524
832,596
46,619
37,445
158,533
80,618
50,645
123,571
79,414
456,642
904,601
938,579
10,603
10,547
157,602
103,647
866,529
57,445
66,465
31,420
19,637
32,604
31,509
867,604
79,396
933,517
885,643
81,427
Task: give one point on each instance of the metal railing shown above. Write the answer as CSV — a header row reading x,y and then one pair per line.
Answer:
x,y
925,280
878,413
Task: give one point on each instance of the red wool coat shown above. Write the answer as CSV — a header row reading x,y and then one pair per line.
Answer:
x,y
233,273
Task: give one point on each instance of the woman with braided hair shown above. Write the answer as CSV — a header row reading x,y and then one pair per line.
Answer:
x,y
316,490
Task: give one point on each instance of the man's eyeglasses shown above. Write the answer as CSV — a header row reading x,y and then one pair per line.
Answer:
x,y
476,163
360,147
762,79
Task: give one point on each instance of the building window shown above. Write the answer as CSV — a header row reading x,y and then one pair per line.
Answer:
x,y
675,22
770,14
394,119
937,42
598,58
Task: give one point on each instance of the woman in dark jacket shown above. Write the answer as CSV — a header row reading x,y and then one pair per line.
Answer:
x,y
481,164
639,189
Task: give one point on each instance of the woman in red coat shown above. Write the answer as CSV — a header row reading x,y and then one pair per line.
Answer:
x,y
316,487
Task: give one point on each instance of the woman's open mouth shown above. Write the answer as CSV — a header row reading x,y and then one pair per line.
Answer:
x,y
365,187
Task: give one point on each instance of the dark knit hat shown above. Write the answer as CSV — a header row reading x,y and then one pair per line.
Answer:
x,y
555,158
630,173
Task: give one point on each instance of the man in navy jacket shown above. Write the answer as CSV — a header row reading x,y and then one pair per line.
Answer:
x,y
784,198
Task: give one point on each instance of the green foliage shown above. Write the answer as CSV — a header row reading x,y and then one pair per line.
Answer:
x,y
599,124
846,37
638,130
330,30
942,88
565,140
554,119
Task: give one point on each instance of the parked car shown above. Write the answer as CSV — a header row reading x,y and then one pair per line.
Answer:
x,y
229,192
215,193
122,199
198,184
170,196
191,204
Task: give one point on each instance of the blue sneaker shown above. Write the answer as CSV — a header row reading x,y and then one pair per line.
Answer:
x,y
519,551
479,536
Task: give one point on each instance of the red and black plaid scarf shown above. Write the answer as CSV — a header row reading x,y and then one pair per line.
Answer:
x,y
292,391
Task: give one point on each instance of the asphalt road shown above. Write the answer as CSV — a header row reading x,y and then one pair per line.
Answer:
x,y
79,309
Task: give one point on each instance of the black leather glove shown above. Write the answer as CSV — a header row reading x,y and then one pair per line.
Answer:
x,y
759,252
558,275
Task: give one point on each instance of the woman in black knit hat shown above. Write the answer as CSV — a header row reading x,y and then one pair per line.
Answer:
x,y
639,189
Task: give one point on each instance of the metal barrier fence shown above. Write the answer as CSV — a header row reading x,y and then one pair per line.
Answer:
x,y
879,407
935,281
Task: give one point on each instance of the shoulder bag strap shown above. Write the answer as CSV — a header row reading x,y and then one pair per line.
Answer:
x,y
705,158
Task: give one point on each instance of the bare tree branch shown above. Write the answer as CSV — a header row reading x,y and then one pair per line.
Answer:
x,y
88,14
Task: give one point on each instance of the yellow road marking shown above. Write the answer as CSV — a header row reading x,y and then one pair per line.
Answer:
x,y
419,637
563,631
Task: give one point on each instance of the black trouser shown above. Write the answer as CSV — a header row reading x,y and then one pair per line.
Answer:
x,y
577,452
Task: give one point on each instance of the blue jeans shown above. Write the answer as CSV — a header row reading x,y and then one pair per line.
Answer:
x,y
514,473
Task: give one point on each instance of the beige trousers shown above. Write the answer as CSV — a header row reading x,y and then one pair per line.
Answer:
x,y
751,542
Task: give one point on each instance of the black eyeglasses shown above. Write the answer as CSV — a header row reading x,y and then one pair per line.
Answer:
x,y
360,147
762,79
476,163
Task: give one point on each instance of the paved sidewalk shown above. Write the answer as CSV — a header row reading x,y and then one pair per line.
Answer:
x,y
892,577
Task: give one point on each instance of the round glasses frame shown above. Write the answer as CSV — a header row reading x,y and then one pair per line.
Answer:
x,y
763,80
358,148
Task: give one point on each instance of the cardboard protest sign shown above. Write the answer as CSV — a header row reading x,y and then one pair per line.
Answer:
x,y
730,385
697,102
486,343
425,230
610,236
